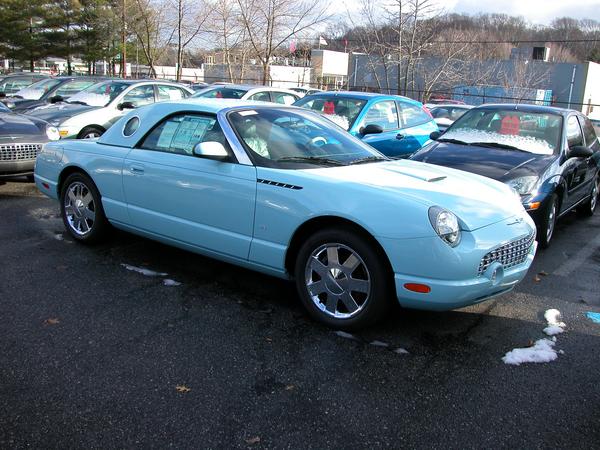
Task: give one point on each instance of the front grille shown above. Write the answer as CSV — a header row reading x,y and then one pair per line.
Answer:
x,y
19,152
509,255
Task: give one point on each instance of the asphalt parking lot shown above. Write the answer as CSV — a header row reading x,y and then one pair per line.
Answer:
x,y
93,355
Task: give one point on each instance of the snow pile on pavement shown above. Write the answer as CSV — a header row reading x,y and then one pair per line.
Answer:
x,y
169,282
143,271
543,349
554,327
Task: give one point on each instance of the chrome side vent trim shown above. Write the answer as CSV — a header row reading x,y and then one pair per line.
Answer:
x,y
278,184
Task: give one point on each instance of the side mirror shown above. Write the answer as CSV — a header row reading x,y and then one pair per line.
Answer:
x,y
2,94
435,135
211,150
125,105
56,99
579,151
371,128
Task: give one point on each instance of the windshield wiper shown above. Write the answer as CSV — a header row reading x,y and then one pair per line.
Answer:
x,y
77,102
367,159
453,141
498,145
311,160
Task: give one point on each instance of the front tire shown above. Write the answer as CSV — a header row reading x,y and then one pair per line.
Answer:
x,y
81,209
342,280
548,222
90,133
588,208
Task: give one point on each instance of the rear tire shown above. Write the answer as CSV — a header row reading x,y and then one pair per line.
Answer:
x,y
342,280
548,222
81,209
588,208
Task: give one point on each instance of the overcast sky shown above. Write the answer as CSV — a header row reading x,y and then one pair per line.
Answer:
x,y
537,11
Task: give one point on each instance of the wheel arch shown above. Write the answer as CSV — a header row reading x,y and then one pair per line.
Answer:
x,y
87,127
321,222
66,172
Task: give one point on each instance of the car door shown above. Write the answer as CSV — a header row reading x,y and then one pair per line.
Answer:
x,y
591,141
575,169
260,96
416,125
172,193
385,114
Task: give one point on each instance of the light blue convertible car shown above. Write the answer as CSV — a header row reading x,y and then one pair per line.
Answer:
x,y
283,191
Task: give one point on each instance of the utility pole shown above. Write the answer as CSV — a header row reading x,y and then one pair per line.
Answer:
x,y
123,42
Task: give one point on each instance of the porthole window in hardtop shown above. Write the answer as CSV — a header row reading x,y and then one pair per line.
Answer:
x,y
131,126
181,133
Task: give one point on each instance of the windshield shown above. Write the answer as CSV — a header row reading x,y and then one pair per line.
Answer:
x,y
220,93
530,132
288,138
447,112
37,90
340,110
73,87
100,94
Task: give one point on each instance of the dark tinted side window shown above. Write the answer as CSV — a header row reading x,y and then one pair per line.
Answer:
x,y
574,136
588,130
180,134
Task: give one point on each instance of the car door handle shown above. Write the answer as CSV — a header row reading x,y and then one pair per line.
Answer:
x,y
137,170
399,136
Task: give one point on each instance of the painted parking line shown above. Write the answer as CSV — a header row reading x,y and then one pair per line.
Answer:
x,y
568,267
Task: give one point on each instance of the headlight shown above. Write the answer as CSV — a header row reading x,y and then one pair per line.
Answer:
x,y
52,133
445,225
523,185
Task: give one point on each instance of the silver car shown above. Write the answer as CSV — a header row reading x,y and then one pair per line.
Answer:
x,y
92,111
249,92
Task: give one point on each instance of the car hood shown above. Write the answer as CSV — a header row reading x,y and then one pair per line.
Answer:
x,y
19,128
23,103
476,200
497,163
52,112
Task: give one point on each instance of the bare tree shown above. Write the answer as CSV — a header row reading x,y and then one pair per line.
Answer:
x,y
147,19
190,18
269,24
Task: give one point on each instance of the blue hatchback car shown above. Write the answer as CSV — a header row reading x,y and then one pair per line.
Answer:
x,y
396,126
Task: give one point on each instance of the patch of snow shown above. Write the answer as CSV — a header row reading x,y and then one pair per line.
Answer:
x,y
345,335
552,330
31,93
59,237
169,282
593,316
527,143
143,271
552,316
401,351
90,98
380,344
541,352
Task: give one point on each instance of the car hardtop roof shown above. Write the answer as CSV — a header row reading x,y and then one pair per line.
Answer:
x,y
448,105
526,107
361,95
246,87
150,115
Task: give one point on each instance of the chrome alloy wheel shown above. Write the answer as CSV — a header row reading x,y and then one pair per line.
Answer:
x,y
80,210
91,135
551,222
337,280
595,191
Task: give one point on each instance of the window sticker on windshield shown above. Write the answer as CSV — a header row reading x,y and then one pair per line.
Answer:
x,y
510,125
191,131
249,112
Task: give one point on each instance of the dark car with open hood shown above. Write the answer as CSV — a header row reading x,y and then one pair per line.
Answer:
x,y
21,139
549,156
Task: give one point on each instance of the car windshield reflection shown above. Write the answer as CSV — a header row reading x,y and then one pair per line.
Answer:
x,y
288,138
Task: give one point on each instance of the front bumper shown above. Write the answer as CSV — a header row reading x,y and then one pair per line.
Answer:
x,y
10,169
452,274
